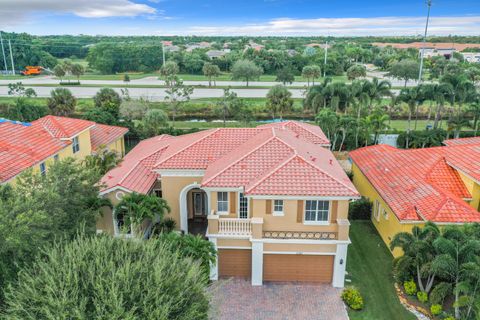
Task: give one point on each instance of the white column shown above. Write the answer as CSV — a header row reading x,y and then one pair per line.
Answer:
x,y
257,263
340,264
214,266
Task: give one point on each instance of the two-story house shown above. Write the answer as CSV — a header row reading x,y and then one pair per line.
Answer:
x,y
273,199
410,187
38,144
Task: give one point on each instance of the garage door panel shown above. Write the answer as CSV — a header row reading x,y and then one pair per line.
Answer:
x,y
304,268
234,263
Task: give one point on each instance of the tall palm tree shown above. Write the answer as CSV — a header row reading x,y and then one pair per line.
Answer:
x,y
474,109
378,123
412,97
418,251
379,89
316,96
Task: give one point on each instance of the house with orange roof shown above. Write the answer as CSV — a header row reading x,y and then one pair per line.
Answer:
x,y
272,199
410,187
39,143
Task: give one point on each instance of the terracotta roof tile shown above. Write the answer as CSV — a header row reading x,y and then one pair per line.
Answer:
x,y
101,134
63,127
308,132
418,184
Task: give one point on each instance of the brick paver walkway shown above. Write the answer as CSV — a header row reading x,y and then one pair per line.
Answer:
x,y
236,299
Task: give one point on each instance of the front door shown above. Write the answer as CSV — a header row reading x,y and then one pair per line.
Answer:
x,y
243,214
198,204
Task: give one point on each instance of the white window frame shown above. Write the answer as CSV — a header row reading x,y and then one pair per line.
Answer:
x,y
248,205
278,213
376,210
227,202
116,230
75,145
316,222
43,168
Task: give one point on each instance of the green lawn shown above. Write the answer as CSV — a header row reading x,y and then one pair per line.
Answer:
x,y
369,265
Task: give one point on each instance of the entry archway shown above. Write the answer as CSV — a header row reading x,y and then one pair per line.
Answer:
x,y
184,206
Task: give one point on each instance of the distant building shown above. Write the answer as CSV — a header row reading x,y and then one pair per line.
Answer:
x,y
215,54
472,57
200,45
433,45
171,48
291,52
167,43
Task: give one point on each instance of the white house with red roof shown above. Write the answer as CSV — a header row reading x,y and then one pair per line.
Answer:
x,y
411,187
272,199
43,141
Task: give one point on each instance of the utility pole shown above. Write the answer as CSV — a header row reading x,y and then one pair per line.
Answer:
x,y
11,56
429,4
3,52
325,59
163,53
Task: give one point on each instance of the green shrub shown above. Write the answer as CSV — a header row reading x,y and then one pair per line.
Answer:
x,y
422,296
449,318
352,297
436,309
410,287
360,209
440,292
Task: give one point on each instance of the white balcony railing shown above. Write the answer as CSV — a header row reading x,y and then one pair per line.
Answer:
x,y
233,226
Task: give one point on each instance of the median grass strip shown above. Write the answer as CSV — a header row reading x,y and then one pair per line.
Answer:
x,y
369,266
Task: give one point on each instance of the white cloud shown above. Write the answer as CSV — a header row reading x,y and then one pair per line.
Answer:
x,y
466,25
16,11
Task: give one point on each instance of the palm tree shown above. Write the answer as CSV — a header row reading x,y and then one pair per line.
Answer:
x,y
418,251
455,252
474,109
135,208
412,97
378,122
316,96
379,89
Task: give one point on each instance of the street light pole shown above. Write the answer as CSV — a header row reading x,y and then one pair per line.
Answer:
x,y
3,52
429,4
11,57
325,59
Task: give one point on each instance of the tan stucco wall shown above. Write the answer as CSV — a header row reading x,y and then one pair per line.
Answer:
x,y
105,222
474,189
234,243
328,248
171,189
118,146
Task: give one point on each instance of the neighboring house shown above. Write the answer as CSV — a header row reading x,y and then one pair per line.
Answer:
x,y
200,45
171,48
215,54
410,187
39,143
273,199
472,57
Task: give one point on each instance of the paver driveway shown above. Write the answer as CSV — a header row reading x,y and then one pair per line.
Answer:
x,y
236,299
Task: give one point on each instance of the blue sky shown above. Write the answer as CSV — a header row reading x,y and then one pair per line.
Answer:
x,y
242,17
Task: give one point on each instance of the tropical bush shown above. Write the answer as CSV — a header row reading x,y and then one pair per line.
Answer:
x,y
410,287
102,277
422,296
352,297
360,209
436,309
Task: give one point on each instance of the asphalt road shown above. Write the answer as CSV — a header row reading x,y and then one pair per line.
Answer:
x,y
155,94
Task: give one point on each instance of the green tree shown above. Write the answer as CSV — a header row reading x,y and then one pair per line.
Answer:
x,y
378,121
59,71
61,102
135,208
211,71
108,100
404,70
102,160
126,78
107,278
176,94
356,71
285,75
456,251
310,73
77,70
328,120
412,97
39,209
246,70
169,69
418,253
133,109
279,100
227,103
153,123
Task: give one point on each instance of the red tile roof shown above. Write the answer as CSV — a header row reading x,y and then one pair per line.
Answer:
x,y
269,160
63,127
418,184
101,134
24,145
306,131
462,141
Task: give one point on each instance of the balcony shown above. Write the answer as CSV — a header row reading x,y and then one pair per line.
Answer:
x,y
236,227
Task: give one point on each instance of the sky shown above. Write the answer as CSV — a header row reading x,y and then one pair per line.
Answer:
x,y
240,17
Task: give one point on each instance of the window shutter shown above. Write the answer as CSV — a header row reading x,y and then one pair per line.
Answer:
x,y
233,202
300,211
268,207
333,211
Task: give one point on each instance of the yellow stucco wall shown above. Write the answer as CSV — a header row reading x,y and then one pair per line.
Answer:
x,y
387,224
474,189
118,146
